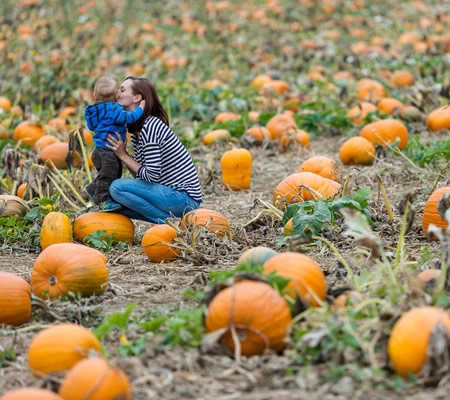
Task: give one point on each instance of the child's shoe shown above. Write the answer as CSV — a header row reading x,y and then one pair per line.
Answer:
x,y
109,206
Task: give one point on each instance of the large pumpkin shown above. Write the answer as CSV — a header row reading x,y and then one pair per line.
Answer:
x,y
15,299
388,105
256,256
306,277
95,379
323,166
68,267
439,119
259,314
12,205
294,189
45,141
113,223
357,150
60,347
57,153
28,132
280,124
409,339
385,132
30,394
56,228
236,166
430,212
214,221
157,241
370,89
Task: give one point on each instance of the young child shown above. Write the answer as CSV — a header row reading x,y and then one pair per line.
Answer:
x,y
106,117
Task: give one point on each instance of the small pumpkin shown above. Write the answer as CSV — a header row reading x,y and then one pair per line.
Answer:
x,y
256,256
402,78
157,241
385,132
28,133
347,298
4,133
5,103
258,133
430,212
56,228
21,190
57,124
307,279
30,394
217,135
429,275
439,119
302,137
303,186
409,339
370,89
276,86
279,124
45,141
212,84
390,105
15,299
323,166
66,112
214,221
60,347
356,151
226,116
95,379
113,223
359,113
260,80
57,153
68,267
259,314
12,205
236,166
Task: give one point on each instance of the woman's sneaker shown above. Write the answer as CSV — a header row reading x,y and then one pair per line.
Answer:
x,y
109,206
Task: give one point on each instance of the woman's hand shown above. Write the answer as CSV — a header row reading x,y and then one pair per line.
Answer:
x,y
116,144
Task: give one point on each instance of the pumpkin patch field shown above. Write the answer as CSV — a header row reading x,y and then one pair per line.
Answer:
x,y
317,265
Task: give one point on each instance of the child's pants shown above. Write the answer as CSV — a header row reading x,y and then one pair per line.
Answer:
x,y
109,167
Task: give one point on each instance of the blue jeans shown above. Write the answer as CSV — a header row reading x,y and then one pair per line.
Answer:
x,y
150,202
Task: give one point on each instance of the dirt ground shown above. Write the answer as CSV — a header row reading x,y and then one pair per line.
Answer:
x,y
175,373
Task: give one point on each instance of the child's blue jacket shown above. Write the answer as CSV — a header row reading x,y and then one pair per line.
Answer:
x,y
107,118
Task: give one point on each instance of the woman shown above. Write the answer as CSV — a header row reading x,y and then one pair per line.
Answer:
x,y
166,183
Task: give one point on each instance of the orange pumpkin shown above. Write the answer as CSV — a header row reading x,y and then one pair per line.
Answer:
x,y
279,124
157,241
66,112
389,105
302,137
212,84
21,190
359,113
30,394
113,223
346,298
429,275
60,347
430,212
275,86
68,267
5,103
409,339
323,166
44,141
236,166
259,314
28,133
402,78
217,135
57,153
260,80
4,134
370,89
226,116
256,256
253,116
15,299
57,124
439,119
356,151
214,221
95,379
258,133
307,279
294,189
385,132
56,228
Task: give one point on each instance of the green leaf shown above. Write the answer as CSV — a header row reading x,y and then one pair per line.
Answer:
x,y
307,221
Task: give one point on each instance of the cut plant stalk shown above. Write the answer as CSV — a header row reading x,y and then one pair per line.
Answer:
x,y
85,157
63,194
385,198
71,187
399,253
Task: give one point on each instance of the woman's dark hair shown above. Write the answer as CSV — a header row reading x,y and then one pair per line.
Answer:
x,y
153,106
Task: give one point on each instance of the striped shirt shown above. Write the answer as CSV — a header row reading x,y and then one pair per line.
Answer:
x,y
164,159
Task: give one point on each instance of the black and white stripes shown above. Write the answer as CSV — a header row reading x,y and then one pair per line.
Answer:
x,y
164,159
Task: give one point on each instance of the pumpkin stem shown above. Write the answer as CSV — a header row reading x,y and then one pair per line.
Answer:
x,y
53,280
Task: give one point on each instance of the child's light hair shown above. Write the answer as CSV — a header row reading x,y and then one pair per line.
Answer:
x,y
105,89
